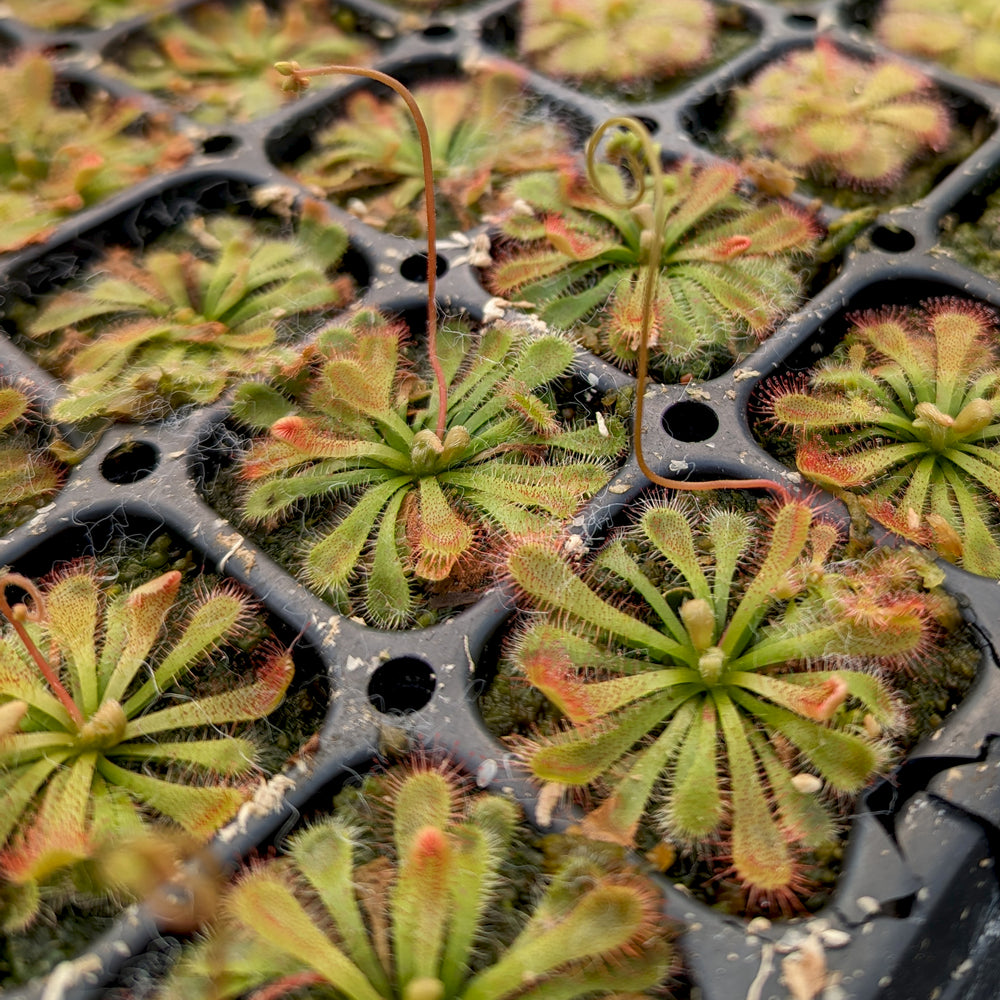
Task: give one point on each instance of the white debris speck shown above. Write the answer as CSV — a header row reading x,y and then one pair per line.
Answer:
x,y
868,905
486,772
805,973
742,374
678,465
279,198
66,975
834,937
602,425
808,784
695,392
479,251
268,798
957,973
618,488
548,797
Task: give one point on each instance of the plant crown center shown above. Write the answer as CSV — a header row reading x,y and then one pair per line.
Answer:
x,y
942,431
104,729
430,455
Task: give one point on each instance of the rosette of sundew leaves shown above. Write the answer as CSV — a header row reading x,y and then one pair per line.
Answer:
x,y
728,680
146,332
481,134
415,904
616,41
58,157
94,741
420,492
905,416
845,121
29,473
963,35
215,62
730,267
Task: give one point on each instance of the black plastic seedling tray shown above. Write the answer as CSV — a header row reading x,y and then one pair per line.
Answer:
x,y
915,912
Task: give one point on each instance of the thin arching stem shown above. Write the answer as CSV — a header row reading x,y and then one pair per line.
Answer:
x,y
652,245
35,613
301,78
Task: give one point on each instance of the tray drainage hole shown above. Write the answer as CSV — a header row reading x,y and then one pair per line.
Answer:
x,y
438,31
893,240
401,685
216,145
415,268
690,421
130,462
803,21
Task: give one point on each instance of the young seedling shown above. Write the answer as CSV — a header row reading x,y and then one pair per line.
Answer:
x,y
616,41
370,158
963,35
843,121
167,327
412,922
58,159
77,765
727,676
905,415
727,268
215,62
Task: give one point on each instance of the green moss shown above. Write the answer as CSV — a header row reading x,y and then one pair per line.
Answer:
x,y
975,243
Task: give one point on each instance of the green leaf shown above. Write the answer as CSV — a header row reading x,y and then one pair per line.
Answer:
x,y
267,907
604,919
200,810
577,756
387,588
213,618
259,406
545,575
324,855
133,625
695,806
333,560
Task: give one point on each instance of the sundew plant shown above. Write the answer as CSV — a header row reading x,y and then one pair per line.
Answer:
x,y
29,473
481,134
58,157
842,120
173,325
729,267
215,61
727,679
904,416
407,906
417,503
93,744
